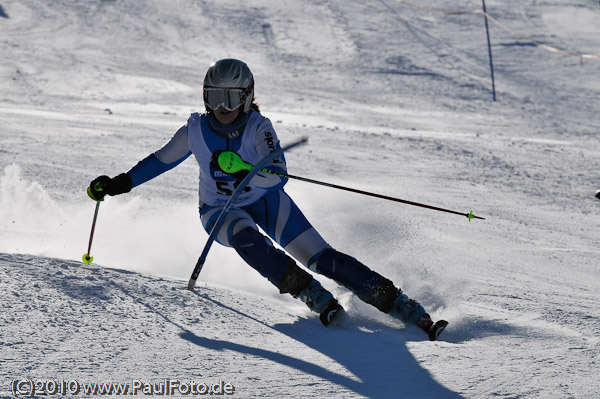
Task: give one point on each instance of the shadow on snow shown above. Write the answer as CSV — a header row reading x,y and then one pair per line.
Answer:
x,y
376,355
378,358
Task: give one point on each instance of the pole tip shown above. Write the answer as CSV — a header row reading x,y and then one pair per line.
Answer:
x,y
87,259
191,284
471,216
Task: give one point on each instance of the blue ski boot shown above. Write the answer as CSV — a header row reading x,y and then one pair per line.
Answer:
x,y
319,300
432,329
411,312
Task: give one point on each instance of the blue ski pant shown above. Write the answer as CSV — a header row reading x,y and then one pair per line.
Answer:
x,y
280,218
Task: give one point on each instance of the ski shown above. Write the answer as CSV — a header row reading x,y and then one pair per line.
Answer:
x,y
436,329
332,314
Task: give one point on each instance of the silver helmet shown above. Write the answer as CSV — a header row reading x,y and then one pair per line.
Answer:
x,y
228,83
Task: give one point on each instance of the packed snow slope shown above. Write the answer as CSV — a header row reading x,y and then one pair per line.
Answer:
x,y
395,100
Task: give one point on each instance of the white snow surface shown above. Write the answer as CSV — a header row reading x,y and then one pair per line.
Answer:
x,y
395,100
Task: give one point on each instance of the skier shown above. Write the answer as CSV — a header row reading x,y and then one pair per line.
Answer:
x,y
232,122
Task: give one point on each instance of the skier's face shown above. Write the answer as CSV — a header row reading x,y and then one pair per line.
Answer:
x,y
226,117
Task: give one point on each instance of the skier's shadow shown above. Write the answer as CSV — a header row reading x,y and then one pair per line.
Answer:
x,y
375,360
377,356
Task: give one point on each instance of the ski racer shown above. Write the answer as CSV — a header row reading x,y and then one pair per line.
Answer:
x,y
232,122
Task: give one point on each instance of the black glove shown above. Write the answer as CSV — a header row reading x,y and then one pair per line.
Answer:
x,y
238,176
103,185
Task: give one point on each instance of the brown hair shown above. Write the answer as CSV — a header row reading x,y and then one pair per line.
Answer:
x,y
255,105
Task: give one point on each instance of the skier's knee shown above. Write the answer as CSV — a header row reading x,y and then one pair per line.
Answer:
x,y
256,249
235,221
367,284
281,270
247,241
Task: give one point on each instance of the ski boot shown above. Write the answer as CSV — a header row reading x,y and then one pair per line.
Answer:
x,y
319,300
432,329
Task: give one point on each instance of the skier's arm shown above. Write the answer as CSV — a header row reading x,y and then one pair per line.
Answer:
x,y
170,155
266,141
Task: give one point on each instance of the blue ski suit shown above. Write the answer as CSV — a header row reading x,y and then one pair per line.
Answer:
x,y
265,203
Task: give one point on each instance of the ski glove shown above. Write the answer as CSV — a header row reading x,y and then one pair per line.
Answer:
x,y
103,185
238,176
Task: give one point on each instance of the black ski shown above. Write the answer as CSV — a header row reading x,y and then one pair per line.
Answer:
x,y
436,329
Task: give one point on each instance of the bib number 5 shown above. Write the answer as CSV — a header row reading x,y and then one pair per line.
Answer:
x,y
228,187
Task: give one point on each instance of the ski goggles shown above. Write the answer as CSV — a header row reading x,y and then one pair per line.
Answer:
x,y
228,98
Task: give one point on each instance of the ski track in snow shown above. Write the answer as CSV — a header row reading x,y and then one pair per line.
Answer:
x,y
395,101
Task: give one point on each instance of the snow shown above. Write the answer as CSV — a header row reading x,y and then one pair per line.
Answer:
x,y
395,101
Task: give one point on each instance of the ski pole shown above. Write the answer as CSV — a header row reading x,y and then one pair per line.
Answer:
x,y
231,162
87,259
